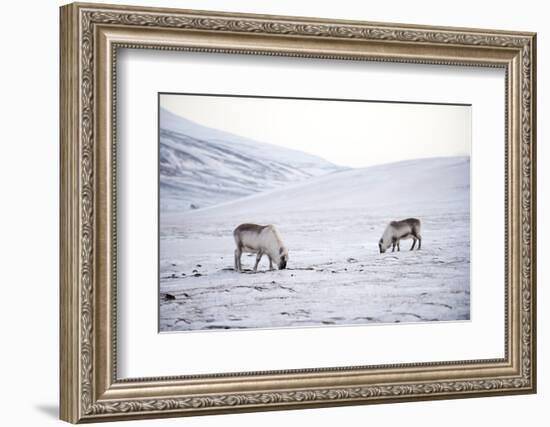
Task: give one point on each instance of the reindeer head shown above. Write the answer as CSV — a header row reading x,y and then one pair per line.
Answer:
x,y
283,258
381,247
384,243
387,238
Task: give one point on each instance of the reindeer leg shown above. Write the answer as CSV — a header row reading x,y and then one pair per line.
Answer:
x,y
237,260
398,247
414,243
419,242
258,258
270,263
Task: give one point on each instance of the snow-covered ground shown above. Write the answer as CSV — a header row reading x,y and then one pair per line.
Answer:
x,y
335,276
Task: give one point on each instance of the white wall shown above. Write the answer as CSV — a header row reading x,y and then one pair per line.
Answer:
x,y
29,170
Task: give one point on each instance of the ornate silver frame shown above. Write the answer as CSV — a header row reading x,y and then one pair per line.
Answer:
x,y
90,36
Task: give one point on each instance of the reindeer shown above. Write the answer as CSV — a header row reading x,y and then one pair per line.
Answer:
x,y
396,230
260,240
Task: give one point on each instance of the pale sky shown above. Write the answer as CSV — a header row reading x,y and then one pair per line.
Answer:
x,y
354,134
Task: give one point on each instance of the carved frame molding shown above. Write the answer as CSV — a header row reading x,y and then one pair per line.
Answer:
x,y
90,36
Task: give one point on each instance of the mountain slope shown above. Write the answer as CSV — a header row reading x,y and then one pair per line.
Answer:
x,y
200,166
402,188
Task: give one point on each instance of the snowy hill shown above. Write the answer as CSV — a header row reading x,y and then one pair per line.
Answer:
x,y
200,166
402,188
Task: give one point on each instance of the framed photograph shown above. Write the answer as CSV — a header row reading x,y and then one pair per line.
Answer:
x,y
267,212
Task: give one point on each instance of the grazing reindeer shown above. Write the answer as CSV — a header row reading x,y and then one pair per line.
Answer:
x,y
260,240
396,230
